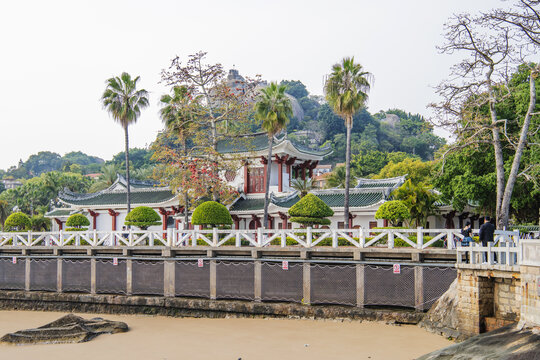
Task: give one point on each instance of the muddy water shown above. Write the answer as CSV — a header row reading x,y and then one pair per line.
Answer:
x,y
156,337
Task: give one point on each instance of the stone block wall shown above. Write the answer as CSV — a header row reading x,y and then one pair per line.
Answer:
x,y
487,300
530,287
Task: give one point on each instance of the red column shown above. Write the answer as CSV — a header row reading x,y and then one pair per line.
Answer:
x,y
246,178
94,216
280,175
59,223
283,217
113,214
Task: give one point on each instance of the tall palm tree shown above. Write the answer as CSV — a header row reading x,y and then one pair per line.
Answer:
x,y
4,212
346,91
302,186
176,114
274,109
124,102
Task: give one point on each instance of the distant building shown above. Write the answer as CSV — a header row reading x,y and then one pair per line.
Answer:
x,y
322,169
11,183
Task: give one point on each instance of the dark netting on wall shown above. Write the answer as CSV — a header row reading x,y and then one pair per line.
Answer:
x,y
281,285
234,280
192,280
12,276
333,284
383,287
436,281
110,278
43,274
147,278
76,275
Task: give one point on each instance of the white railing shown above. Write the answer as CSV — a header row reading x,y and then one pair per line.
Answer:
x,y
507,254
361,238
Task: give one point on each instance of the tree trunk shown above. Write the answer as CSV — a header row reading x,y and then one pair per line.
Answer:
x,y
347,173
499,160
128,197
267,182
502,221
186,209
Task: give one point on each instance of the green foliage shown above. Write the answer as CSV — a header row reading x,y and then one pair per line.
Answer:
x,y
295,88
416,170
310,210
419,199
143,217
40,223
5,210
394,211
336,179
211,213
77,221
273,108
17,222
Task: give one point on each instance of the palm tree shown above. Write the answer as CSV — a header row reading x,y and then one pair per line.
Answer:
x,y
346,92
4,212
274,109
176,114
302,186
336,179
109,174
124,102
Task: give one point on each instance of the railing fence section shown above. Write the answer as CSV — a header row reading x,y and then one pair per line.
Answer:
x,y
419,238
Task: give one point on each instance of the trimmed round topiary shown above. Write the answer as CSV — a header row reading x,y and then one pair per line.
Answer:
x,y
393,211
17,222
142,217
77,221
211,213
310,210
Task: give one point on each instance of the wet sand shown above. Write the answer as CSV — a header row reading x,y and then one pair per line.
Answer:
x,y
157,337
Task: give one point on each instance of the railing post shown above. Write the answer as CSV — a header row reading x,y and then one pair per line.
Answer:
x,y
77,239
151,238
95,238
283,237
130,236
419,238
449,239
194,237
214,236
490,254
391,239
238,241
61,238
170,237
309,236
362,237
335,242
29,237
259,237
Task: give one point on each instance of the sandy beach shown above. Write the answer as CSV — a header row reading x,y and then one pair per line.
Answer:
x,y
156,337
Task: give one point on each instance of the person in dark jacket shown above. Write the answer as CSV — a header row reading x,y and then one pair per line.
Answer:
x,y
466,232
486,233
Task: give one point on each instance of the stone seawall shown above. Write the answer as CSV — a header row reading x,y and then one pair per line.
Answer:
x,y
193,307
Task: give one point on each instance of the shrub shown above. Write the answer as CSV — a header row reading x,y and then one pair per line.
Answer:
x,y
310,210
40,223
17,222
211,213
393,211
142,217
77,221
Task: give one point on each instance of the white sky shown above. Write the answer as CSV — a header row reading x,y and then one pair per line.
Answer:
x,y
56,55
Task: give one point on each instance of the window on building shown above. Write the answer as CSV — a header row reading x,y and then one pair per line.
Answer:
x,y
340,225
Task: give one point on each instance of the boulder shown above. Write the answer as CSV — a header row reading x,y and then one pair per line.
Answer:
x,y
68,329
507,343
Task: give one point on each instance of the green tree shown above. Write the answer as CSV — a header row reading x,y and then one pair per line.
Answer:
x,y
419,199
142,217
76,222
417,171
274,109
310,210
346,91
337,177
125,103
5,210
394,211
211,213
17,222
109,174
302,186
40,223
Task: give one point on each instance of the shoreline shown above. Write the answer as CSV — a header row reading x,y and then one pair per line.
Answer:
x,y
162,337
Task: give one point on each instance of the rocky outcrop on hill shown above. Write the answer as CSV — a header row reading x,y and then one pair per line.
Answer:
x,y
507,343
67,329
442,318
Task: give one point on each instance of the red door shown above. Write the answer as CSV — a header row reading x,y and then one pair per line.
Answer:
x,y
256,180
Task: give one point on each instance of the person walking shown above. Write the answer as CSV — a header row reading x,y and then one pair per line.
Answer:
x,y
486,234
467,239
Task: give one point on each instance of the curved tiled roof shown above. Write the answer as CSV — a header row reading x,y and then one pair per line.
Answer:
x,y
334,199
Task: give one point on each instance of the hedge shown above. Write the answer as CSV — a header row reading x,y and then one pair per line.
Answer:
x,y
17,222
77,221
211,213
142,217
